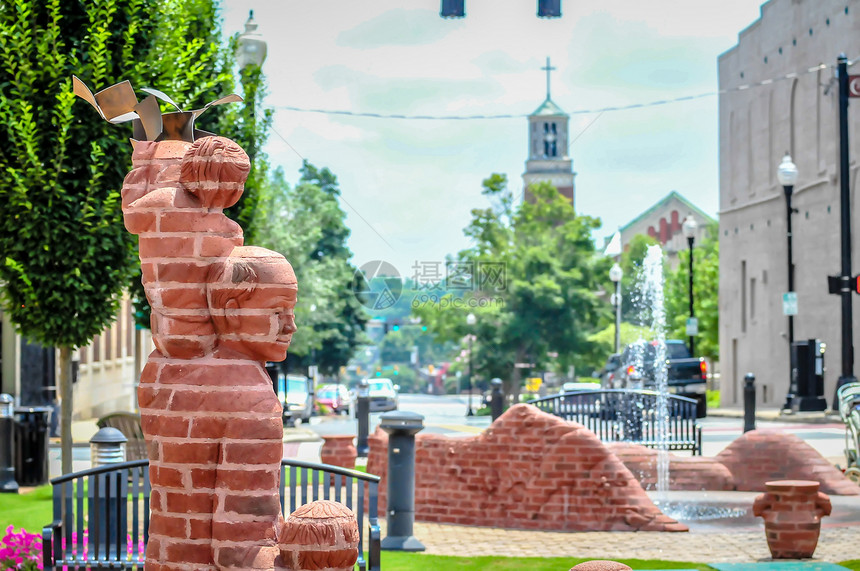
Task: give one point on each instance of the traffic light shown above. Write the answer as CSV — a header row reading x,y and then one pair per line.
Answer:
x,y
395,327
423,328
396,370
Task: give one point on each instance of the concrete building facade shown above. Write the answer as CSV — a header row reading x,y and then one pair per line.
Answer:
x,y
778,94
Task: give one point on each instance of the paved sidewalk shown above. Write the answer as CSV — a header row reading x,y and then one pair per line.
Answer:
x,y
835,544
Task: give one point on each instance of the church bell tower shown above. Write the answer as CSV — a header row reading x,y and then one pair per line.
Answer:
x,y
548,146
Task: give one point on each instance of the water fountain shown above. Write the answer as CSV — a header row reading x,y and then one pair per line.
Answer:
x,y
650,303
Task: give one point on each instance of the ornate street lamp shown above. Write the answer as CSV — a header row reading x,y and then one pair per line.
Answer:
x,y
689,227
471,320
252,46
786,174
615,274
250,55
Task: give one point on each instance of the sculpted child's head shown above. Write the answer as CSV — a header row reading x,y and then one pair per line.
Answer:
x,y
251,296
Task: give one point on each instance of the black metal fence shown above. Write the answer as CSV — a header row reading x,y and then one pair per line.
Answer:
x,y
626,415
101,515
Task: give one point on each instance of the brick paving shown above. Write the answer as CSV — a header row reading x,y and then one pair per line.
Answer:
x,y
835,544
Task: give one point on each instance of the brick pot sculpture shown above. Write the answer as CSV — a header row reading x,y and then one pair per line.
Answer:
x,y
320,535
339,450
792,512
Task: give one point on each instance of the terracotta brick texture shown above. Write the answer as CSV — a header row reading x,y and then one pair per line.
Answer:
x,y
529,470
763,455
685,472
339,450
219,311
320,535
792,512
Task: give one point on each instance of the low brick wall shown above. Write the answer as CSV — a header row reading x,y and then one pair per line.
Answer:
x,y
763,455
691,473
529,470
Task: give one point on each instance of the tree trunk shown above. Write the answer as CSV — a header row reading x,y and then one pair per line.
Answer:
x,y
66,408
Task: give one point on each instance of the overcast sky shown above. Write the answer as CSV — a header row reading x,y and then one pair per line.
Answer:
x,y
409,185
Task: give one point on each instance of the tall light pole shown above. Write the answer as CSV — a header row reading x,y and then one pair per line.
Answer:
x,y
615,274
250,55
471,320
786,174
845,292
689,228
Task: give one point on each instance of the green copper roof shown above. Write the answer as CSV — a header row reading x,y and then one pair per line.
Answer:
x,y
548,107
664,201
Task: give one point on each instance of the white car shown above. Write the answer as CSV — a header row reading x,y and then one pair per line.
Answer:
x,y
297,396
383,394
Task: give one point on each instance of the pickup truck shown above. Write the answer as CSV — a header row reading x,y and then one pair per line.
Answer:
x,y
686,376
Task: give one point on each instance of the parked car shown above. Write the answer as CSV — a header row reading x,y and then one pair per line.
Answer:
x,y
609,373
578,400
686,376
296,393
335,397
383,394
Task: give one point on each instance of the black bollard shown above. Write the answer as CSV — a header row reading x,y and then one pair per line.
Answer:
x,y
401,428
362,415
749,402
7,430
497,399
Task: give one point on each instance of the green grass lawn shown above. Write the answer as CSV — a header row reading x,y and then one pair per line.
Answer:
x,y
32,511
421,562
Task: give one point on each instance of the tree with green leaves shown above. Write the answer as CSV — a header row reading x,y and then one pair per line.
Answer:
x,y
307,225
547,305
65,256
706,270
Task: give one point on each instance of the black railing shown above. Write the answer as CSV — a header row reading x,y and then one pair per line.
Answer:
x,y
101,515
625,415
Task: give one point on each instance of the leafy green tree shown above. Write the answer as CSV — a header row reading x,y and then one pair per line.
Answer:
x,y
306,224
189,61
548,303
64,254
706,259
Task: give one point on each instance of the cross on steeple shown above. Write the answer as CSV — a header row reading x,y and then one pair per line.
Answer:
x,y
549,69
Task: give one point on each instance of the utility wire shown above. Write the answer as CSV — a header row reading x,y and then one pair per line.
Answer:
x,y
659,102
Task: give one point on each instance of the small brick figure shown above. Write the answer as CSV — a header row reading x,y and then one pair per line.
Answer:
x,y
320,535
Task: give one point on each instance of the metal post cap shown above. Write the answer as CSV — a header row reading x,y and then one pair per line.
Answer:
x,y
497,382
108,435
6,405
749,377
401,420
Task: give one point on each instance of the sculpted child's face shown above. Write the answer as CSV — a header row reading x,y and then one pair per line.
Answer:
x,y
252,308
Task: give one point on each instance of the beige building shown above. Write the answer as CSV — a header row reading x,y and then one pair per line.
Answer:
x,y
775,97
107,370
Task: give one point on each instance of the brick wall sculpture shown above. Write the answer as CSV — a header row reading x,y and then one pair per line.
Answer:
x,y
763,455
529,470
685,472
220,310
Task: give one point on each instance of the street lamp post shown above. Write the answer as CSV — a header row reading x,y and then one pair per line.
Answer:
x,y
250,55
689,227
615,274
845,292
786,174
471,320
